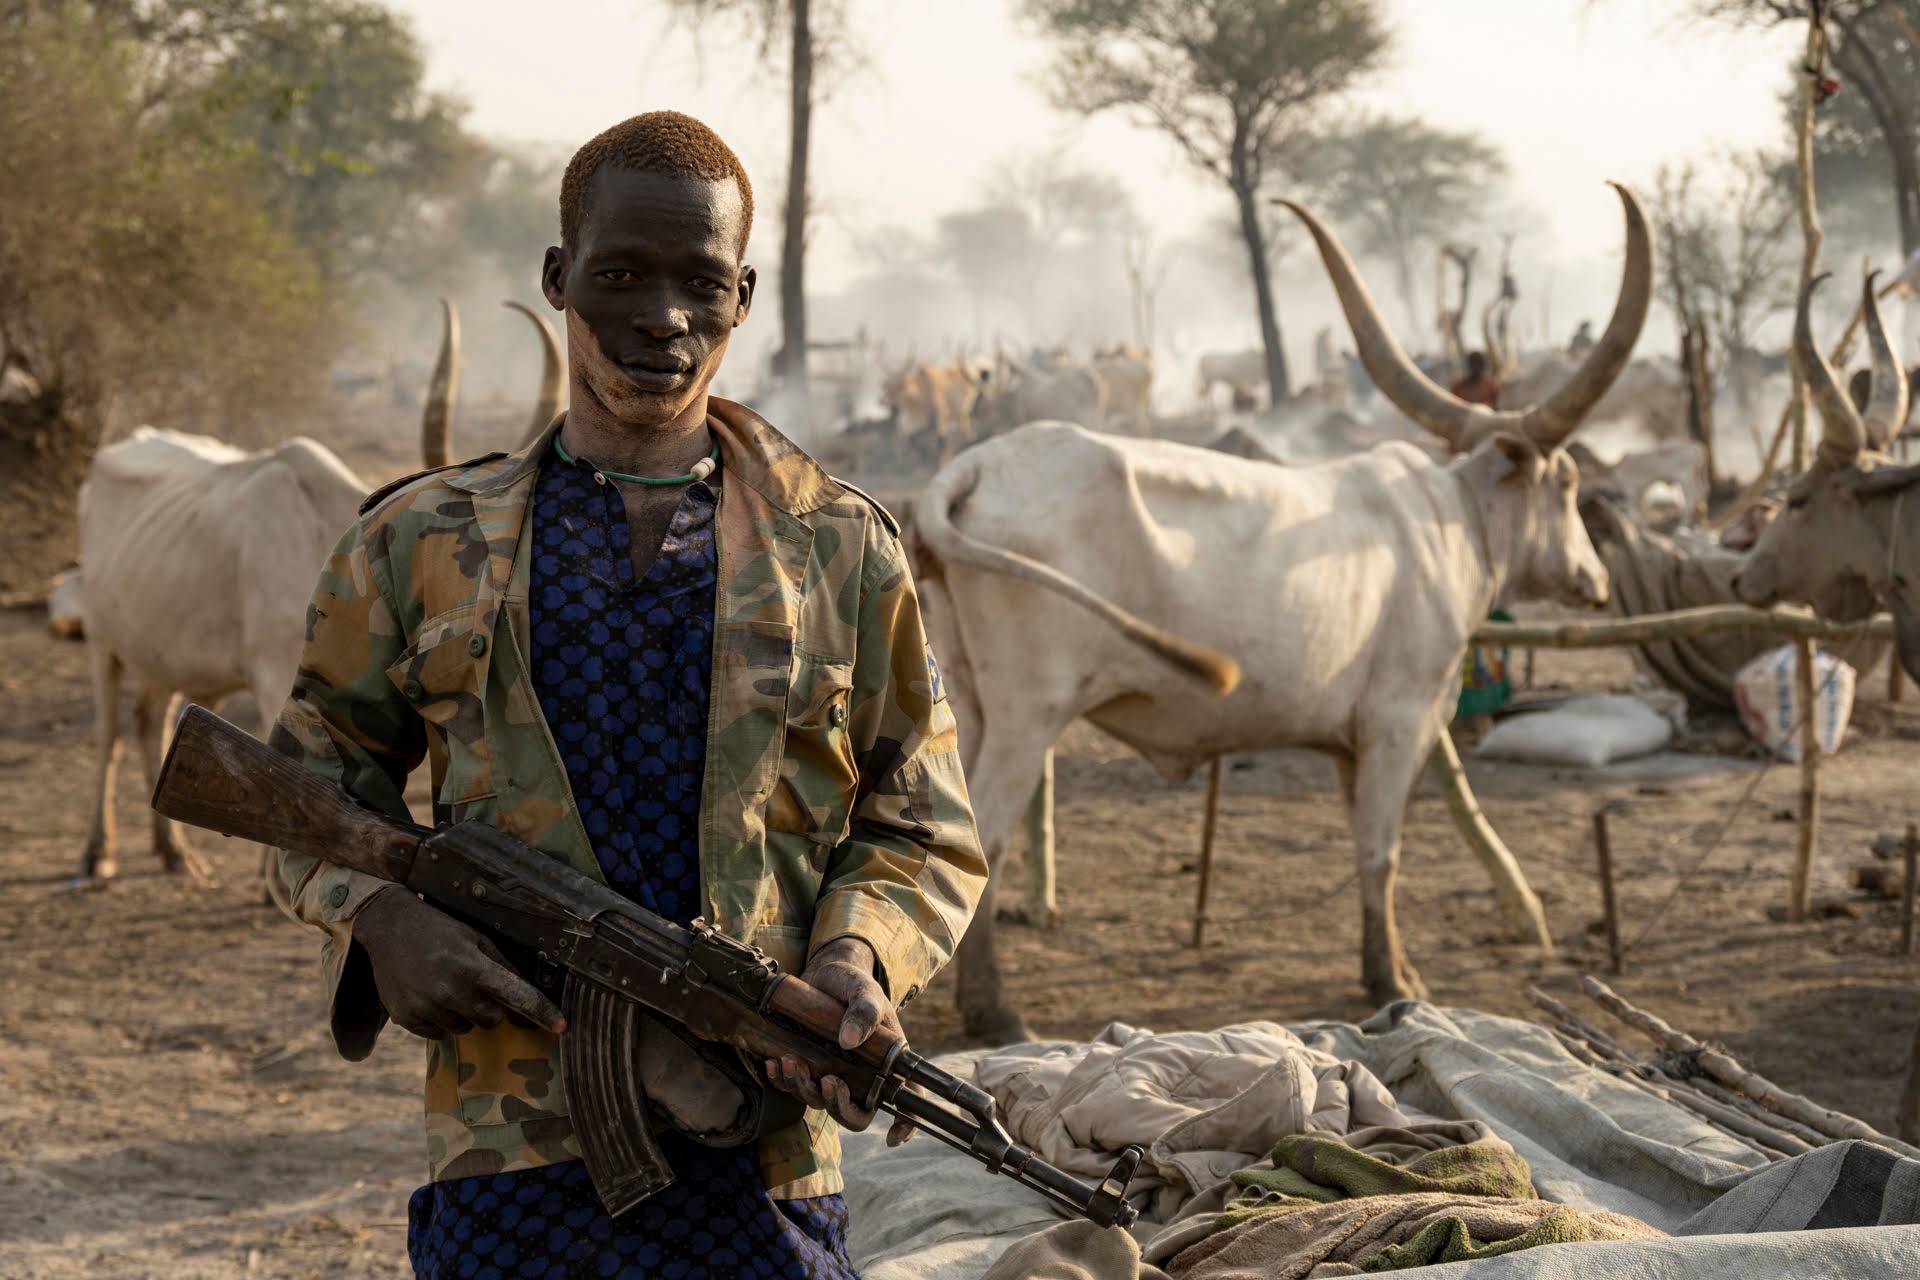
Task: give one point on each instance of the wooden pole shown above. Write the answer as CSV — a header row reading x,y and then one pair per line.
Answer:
x,y
1042,906
1812,69
1911,849
1896,682
1206,850
1809,835
1785,620
1603,849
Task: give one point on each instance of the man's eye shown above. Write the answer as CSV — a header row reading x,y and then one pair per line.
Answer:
x,y
618,275
706,284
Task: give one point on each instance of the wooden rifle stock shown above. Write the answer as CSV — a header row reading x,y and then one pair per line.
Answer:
x,y
222,778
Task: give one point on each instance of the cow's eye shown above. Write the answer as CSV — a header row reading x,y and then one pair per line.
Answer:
x,y
1796,501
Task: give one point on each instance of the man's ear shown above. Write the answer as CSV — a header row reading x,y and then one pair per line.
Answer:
x,y
1523,453
743,302
553,277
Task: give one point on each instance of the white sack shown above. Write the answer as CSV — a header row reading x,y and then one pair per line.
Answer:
x,y
1587,732
1767,694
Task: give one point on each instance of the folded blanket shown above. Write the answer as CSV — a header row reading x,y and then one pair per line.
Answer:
x,y
1390,1233
1386,1199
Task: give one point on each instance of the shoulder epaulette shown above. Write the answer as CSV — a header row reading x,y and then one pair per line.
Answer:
x,y
886,516
391,487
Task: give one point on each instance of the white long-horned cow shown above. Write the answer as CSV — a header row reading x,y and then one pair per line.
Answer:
x,y
197,561
1849,539
1347,591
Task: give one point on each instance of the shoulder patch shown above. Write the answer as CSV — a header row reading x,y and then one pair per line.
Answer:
x,y
886,516
392,487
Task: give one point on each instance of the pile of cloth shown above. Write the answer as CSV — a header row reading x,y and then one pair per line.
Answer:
x,y
1265,1157
1471,1146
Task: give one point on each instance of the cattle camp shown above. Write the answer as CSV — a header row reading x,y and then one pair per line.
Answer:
x,y
1140,640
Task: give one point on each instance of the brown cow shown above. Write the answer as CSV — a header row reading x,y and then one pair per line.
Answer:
x,y
1849,539
937,401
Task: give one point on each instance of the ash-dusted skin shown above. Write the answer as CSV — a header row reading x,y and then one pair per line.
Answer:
x,y
652,292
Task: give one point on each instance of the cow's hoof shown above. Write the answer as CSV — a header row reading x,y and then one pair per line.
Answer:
x,y
1405,984
96,865
181,859
1033,917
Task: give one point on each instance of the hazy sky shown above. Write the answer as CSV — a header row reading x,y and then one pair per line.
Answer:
x,y
1576,91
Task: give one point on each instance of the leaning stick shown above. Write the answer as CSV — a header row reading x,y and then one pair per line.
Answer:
x,y
1525,916
1728,1072
1648,627
1800,896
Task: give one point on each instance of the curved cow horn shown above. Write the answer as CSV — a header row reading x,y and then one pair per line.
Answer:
x,y
552,378
1398,378
1449,417
1844,434
1551,422
436,423
1887,407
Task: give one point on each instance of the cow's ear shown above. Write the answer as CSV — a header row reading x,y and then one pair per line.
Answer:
x,y
1521,452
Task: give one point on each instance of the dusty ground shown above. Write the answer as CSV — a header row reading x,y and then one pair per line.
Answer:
x,y
169,1106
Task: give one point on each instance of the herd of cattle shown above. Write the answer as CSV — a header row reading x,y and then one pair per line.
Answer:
x,y
1189,601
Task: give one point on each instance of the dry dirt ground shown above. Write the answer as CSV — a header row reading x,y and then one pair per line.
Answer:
x,y
170,1106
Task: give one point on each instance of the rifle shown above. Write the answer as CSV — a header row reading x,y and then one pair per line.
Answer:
x,y
617,959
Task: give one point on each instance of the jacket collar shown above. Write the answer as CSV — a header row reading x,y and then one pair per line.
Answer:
x,y
751,451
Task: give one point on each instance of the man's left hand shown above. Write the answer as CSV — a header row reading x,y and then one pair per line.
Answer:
x,y
842,969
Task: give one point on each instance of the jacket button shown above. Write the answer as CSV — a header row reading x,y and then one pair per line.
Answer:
x,y
477,645
337,896
412,690
837,714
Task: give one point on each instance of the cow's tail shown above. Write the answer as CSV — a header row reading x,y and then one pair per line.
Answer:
x,y
941,538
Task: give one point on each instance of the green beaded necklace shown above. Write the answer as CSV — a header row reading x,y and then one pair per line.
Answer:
x,y
701,469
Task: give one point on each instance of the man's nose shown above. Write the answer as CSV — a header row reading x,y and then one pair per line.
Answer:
x,y
659,318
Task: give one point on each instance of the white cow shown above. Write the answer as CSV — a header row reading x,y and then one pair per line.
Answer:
x,y
197,561
1347,591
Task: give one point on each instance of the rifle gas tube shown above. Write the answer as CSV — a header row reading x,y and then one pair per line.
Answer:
x,y
618,959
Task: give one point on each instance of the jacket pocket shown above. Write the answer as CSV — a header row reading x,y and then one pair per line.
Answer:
x,y
818,772
440,676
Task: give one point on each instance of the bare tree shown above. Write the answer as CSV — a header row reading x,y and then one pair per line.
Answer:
x,y
1230,81
1875,48
814,34
1727,265
1403,184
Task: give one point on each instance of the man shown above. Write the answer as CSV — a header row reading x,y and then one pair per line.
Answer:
x,y
1479,386
661,644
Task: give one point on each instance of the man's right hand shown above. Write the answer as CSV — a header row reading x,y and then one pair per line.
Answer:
x,y
438,977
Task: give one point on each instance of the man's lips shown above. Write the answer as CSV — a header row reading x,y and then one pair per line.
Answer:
x,y
656,373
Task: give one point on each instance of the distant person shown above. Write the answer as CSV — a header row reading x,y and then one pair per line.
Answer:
x,y
1479,386
1582,339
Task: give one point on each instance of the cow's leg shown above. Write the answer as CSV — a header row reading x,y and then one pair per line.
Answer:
x,y
1042,906
97,861
152,717
1384,770
1000,783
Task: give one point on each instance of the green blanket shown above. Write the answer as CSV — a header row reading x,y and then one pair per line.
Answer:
x,y
1310,1170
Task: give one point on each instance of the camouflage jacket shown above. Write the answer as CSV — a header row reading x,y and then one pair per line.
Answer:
x,y
832,804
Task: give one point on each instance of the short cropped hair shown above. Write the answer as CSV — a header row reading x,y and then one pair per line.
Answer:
x,y
658,141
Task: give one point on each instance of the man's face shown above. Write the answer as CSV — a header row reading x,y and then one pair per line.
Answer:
x,y
653,289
